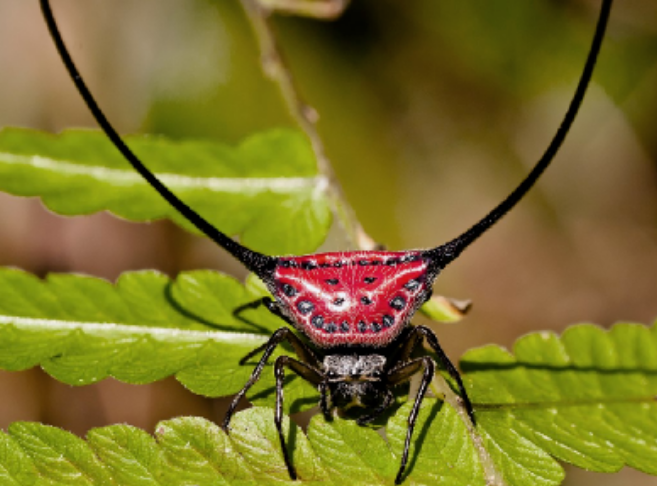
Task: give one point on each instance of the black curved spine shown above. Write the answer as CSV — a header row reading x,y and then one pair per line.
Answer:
x,y
258,263
446,253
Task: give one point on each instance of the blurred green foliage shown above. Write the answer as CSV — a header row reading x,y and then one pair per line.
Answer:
x,y
475,64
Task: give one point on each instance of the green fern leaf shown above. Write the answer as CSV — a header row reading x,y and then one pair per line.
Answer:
x,y
83,329
266,189
586,398
59,457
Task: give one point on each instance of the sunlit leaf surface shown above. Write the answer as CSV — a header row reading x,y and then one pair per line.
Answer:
x,y
586,397
266,189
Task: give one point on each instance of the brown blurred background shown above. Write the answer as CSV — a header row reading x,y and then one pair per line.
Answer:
x,y
431,110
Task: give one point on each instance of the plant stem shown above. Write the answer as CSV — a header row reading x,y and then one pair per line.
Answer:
x,y
259,13
319,9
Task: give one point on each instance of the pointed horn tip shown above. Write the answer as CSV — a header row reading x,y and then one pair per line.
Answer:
x,y
441,255
262,265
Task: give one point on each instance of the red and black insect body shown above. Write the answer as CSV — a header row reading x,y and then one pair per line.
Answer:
x,y
351,299
351,310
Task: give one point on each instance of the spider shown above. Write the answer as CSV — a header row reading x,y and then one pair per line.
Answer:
x,y
351,310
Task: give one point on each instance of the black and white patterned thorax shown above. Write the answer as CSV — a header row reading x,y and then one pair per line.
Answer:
x,y
355,379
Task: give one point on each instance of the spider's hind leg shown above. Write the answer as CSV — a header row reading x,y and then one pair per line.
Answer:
x,y
271,306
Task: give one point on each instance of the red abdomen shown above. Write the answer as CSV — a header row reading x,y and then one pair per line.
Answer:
x,y
351,298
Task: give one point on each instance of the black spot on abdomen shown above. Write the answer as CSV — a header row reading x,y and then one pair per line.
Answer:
x,y
289,290
305,307
398,303
330,328
412,284
318,321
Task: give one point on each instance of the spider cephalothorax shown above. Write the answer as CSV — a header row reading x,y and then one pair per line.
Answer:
x,y
355,379
352,309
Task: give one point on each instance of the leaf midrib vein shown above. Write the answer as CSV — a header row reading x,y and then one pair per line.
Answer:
x,y
220,336
175,181
487,407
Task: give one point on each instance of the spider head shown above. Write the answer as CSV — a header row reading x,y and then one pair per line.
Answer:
x,y
355,380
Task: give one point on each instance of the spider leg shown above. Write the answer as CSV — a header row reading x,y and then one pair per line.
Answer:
x,y
266,301
399,374
300,348
414,338
410,342
306,372
269,304
282,334
251,305
432,339
324,404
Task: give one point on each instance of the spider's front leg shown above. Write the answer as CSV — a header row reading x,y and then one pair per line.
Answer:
x,y
324,403
414,338
283,334
308,373
400,374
